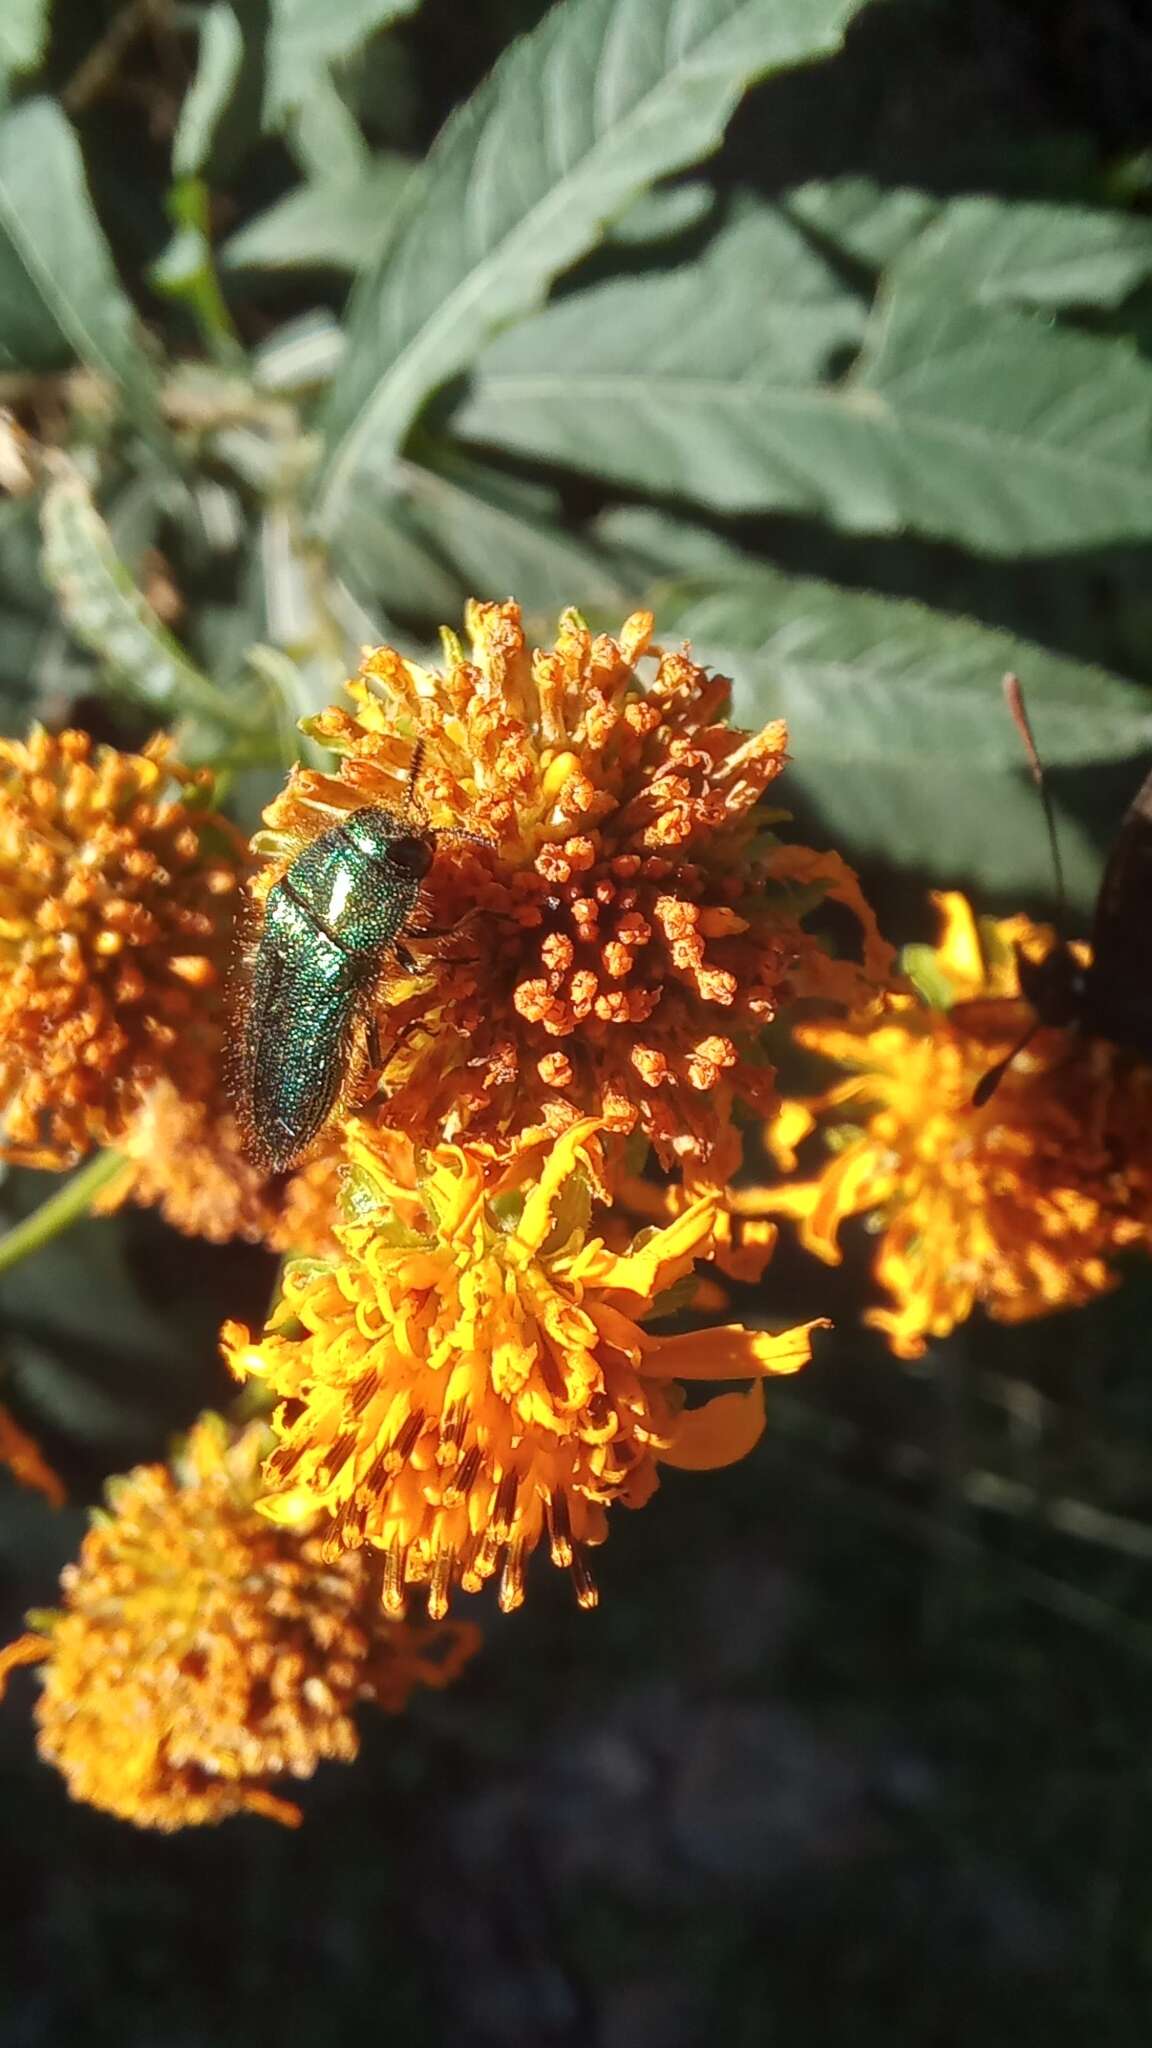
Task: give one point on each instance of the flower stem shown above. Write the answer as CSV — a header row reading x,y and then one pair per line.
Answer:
x,y
62,1209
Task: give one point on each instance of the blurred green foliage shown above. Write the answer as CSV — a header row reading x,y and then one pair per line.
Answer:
x,y
824,328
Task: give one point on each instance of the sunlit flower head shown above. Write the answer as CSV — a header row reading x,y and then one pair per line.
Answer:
x,y
204,1656
1018,1207
119,893
471,1378
620,923
117,898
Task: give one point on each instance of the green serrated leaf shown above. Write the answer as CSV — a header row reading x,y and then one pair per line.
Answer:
x,y
657,545
998,251
23,34
870,223
307,36
974,423
650,366
503,535
576,120
877,676
218,69
336,224
60,298
388,558
897,726
108,614
666,211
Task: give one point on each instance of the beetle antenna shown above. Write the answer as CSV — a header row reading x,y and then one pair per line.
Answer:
x,y
1014,696
414,772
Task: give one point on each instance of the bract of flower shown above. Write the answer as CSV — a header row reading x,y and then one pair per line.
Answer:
x,y
22,1456
472,1377
202,1656
1019,1207
117,900
620,927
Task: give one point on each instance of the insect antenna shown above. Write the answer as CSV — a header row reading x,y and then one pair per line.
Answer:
x,y
988,1083
1014,696
986,1087
414,772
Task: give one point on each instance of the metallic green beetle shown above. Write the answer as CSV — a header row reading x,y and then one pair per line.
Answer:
x,y
344,903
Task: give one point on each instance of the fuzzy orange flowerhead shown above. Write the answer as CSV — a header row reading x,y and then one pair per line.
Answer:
x,y
203,1656
117,898
620,926
119,893
1019,1206
188,1159
472,1376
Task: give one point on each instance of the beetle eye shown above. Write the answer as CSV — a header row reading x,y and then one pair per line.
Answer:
x,y
412,856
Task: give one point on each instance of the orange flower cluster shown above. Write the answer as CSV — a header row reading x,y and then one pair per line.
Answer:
x,y
202,1656
470,1377
1020,1206
624,925
119,892
464,1371
611,926
116,912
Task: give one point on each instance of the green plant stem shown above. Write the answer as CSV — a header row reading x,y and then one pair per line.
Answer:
x,y
67,1206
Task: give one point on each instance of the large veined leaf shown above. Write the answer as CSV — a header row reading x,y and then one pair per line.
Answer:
x,y
1030,253
306,36
579,117
877,676
870,223
503,536
995,251
660,546
975,423
60,298
896,722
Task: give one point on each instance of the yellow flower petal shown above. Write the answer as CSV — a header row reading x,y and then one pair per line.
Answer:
x,y
1020,1206
788,1129
455,1400
959,952
568,1154
730,1353
720,1433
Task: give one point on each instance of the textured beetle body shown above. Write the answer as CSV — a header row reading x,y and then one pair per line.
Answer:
x,y
329,924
